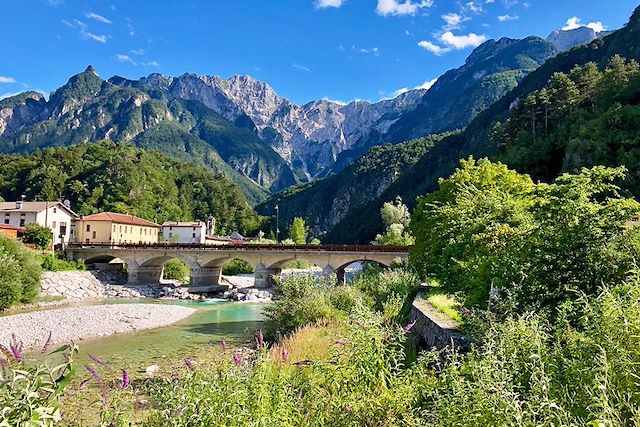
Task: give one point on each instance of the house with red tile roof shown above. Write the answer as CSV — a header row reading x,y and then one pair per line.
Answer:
x,y
115,228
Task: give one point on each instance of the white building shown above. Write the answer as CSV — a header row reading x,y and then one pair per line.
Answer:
x,y
54,215
184,232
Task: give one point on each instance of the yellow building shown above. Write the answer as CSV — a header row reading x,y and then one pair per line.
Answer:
x,y
109,227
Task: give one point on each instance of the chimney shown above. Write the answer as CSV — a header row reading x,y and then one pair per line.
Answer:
x,y
18,204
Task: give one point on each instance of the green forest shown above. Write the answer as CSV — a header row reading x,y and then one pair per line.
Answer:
x,y
107,176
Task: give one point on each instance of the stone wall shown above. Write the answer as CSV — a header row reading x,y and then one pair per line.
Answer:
x,y
434,329
78,284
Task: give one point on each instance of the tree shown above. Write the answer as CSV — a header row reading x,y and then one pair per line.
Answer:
x,y
40,236
488,226
396,219
298,231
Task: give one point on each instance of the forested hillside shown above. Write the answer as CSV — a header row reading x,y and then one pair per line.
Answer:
x,y
106,176
326,202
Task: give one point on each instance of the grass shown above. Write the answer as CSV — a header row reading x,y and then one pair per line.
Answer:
x,y
445,304
309,342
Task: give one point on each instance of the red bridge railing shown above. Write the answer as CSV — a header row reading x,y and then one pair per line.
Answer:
x,y
239,247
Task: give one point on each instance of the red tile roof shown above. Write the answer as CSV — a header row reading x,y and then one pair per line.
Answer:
x,y
11,227
120,219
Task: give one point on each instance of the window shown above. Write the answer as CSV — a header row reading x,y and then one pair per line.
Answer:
x,y
54,224
94,235
145,231
194,229
120,229
193,235
55,210
63,228
170,228
21,214
21,222
88,227
131,229
114,228
6,220
170,235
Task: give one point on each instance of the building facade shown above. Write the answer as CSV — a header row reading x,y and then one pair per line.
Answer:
x,y
54,215
115,228
184,232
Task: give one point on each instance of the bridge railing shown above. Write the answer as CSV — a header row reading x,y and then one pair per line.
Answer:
x,y
239,247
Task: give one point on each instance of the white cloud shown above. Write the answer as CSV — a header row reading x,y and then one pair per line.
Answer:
x,y
125,58
427,84
300,67
433,48
400,91
138,51
507,17
574,22
452,42
82,28
374,50
97,17
489,1
474,7
399,7
335,101
5,79
324,4
97,37
151,64
463,41
453,20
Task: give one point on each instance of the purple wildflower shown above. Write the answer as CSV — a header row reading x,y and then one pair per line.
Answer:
x,y
126,382
98,378
360,324
409,326
84,383
348,409
96,360
285,355
47,343
340,343
236,359
300,394
16,348
179,410
260,339
191,363
223,344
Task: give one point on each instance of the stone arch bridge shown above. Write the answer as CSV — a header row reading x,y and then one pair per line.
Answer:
x,y
145,263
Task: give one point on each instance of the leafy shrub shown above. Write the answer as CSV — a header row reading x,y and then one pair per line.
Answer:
x,y
301,300
384,286
54,263
19,273
236,267
176,270
40,236
30,395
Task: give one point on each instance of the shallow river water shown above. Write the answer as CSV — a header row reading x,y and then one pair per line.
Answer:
x,y
213,321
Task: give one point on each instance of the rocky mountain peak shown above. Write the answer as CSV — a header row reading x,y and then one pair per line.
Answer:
x,y
90,69
566,39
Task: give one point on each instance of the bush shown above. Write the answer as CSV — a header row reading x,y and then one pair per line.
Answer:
x,y
30,396
53,263
19,273
176,270
38,235
301,300
237,266
382,287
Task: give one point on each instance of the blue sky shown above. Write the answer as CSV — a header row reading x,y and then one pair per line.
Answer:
x,y
305,49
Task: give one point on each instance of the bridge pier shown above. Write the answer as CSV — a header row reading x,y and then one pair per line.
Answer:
x,y
144,275
340,276
263,276
206,276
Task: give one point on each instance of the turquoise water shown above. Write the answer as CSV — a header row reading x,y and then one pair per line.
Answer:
x,y
236,323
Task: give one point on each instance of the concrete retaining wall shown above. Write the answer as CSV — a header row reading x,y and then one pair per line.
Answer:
x,y
434,329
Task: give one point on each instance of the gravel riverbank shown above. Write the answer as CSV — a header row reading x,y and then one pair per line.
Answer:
x,y
76,323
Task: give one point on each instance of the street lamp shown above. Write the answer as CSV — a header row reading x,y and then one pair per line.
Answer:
x,y
277,224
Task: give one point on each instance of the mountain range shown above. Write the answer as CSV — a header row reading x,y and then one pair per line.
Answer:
x,y
240,127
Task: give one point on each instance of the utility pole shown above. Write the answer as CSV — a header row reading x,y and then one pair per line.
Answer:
x,y
277,224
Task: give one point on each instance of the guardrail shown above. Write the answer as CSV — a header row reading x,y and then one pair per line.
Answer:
x,y
239,247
